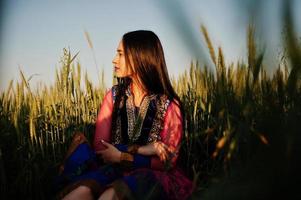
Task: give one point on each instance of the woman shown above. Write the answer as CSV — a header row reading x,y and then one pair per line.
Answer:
x,y
138,132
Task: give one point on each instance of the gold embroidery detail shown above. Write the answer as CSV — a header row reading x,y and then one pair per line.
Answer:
x,y
135,123
158,123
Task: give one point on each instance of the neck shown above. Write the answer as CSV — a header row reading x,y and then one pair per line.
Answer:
x,y
137,89
137,92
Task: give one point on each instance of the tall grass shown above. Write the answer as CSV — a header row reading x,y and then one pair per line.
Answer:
x,y
236,117
36,127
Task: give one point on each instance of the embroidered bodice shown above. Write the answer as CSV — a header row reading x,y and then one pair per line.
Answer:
x,y
164,125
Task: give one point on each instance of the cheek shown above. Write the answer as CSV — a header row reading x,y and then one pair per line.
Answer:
x,y
126,68
123,71
126,71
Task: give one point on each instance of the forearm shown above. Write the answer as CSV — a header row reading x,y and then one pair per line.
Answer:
x,y
146,150
133,157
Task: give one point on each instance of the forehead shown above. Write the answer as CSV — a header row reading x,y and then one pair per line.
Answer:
x,y
120,46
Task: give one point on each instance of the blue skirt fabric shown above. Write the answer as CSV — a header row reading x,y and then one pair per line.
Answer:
x,y
83,167
83,164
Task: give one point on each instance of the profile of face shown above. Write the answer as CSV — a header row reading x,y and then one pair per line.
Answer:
x,y
121,68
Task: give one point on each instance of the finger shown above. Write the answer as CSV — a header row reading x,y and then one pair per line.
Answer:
x,y
162,146
162,156
105,143
163,149
166,147
169,149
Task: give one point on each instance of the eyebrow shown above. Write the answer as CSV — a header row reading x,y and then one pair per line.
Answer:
x,y
119,50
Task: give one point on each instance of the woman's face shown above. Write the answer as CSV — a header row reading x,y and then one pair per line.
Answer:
x,y
121,69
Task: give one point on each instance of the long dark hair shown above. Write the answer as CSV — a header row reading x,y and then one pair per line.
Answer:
x,y
144,55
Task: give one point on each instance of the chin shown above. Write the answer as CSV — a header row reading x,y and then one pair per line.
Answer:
x,y
121,75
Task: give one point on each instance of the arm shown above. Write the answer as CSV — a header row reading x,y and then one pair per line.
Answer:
x,y
160,154
103,122
171,136
148,155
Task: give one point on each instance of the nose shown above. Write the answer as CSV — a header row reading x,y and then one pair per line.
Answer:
x,y
114,61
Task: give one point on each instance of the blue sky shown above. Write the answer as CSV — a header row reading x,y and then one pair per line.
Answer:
x,y
34,32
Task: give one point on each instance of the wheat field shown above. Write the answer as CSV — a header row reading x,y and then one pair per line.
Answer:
x,y
236,116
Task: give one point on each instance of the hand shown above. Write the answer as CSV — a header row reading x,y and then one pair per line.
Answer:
x,y
110,154
164,151
160,149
